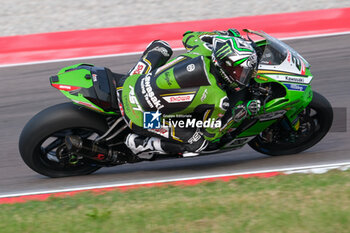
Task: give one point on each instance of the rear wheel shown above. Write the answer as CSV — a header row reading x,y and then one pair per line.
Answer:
x,y
42,144
315,122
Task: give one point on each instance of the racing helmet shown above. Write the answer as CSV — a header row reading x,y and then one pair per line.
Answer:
x,y
235,59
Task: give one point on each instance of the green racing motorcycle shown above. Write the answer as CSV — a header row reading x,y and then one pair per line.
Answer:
x,y
292,119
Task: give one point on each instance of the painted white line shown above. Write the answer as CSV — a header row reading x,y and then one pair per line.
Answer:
x,y
291,170
140,52
315,36
319,170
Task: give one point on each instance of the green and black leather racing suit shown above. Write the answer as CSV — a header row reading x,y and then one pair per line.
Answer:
x,y
187,86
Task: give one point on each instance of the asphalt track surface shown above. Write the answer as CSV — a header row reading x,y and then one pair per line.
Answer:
x,y
25,90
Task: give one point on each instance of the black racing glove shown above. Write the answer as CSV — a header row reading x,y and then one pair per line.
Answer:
x,y
242,111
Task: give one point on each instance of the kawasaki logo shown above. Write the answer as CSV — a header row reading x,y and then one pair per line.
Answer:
x,y
147,91
294,79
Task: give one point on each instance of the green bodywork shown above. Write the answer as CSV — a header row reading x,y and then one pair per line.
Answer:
x,y
75,76
293,102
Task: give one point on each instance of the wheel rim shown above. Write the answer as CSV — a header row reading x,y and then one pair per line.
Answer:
x,y
53,154
310,125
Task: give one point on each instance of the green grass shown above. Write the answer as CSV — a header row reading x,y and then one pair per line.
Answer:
x,y
294,203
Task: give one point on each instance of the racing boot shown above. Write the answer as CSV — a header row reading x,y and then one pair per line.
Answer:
x,y
143,147
146,147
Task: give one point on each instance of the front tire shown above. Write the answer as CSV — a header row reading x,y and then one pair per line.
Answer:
x,y
320,123
42,139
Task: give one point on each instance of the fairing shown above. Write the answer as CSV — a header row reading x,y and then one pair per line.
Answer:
x,y
282,66
87,85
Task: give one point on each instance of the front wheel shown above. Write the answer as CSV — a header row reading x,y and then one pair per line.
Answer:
x,y
315,122
42,146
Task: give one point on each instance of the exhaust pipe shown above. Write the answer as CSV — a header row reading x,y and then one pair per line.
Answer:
x,y
89,149
85,147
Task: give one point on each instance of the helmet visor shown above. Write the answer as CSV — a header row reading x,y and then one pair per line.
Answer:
x,y
238,73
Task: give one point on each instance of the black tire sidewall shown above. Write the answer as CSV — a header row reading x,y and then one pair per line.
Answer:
x,y
324,108
53,119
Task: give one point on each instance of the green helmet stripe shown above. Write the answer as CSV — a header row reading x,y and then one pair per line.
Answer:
x,y
239,49
233,32
240,61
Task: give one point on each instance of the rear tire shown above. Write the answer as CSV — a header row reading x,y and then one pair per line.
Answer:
x,y
324,119
55,122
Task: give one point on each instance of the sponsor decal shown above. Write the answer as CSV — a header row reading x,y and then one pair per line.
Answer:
x,y
151,120
302,68
65,87
289,56
127,105
190,67
271,115
167,78
143,91
139,68
94,77
262,78
148,93
294,79
178,98
133,99
164,131
121,109
204,96
295,87
195,138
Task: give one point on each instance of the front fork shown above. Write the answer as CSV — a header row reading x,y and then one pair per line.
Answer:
x,y
292,116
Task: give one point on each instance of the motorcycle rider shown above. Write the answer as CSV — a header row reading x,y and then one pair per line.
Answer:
x,y
207,82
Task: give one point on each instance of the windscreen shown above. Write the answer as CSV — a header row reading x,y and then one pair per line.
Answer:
x,y
273,54
275,51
